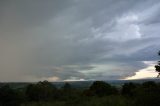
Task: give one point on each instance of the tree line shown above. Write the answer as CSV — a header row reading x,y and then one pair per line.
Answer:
x,y
145,94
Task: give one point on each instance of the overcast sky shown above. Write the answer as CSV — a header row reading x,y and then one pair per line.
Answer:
x,y
59,40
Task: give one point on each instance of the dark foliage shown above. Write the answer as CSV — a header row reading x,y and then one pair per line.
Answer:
x,y
42,91
66,86
100,88
99,94
9,96
148,94
128,89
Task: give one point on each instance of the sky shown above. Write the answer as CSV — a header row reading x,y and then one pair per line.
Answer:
x,y
78,40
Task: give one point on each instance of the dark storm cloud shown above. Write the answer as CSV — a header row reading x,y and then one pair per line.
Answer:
x,y
30,13
77,39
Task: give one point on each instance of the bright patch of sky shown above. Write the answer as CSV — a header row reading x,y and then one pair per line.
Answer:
x,y
148,72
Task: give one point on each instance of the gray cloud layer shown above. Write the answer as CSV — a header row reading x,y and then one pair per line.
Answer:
x,y
77,39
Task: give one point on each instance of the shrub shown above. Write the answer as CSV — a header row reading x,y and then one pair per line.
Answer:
x,y
128,89
100,88
42,91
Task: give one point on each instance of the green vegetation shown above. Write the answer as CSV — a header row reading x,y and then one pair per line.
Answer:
x,y
98,94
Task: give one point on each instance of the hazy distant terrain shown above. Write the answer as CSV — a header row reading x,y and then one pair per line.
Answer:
x,y
81,84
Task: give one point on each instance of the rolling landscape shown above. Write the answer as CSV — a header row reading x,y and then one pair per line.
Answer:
x,y
80,84
144,92
79,52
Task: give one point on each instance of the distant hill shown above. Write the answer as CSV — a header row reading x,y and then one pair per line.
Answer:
x,y
80,84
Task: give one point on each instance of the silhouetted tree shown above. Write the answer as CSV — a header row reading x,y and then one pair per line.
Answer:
x,y
157,67
66,86
69,93
128,89
100,88
41,91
